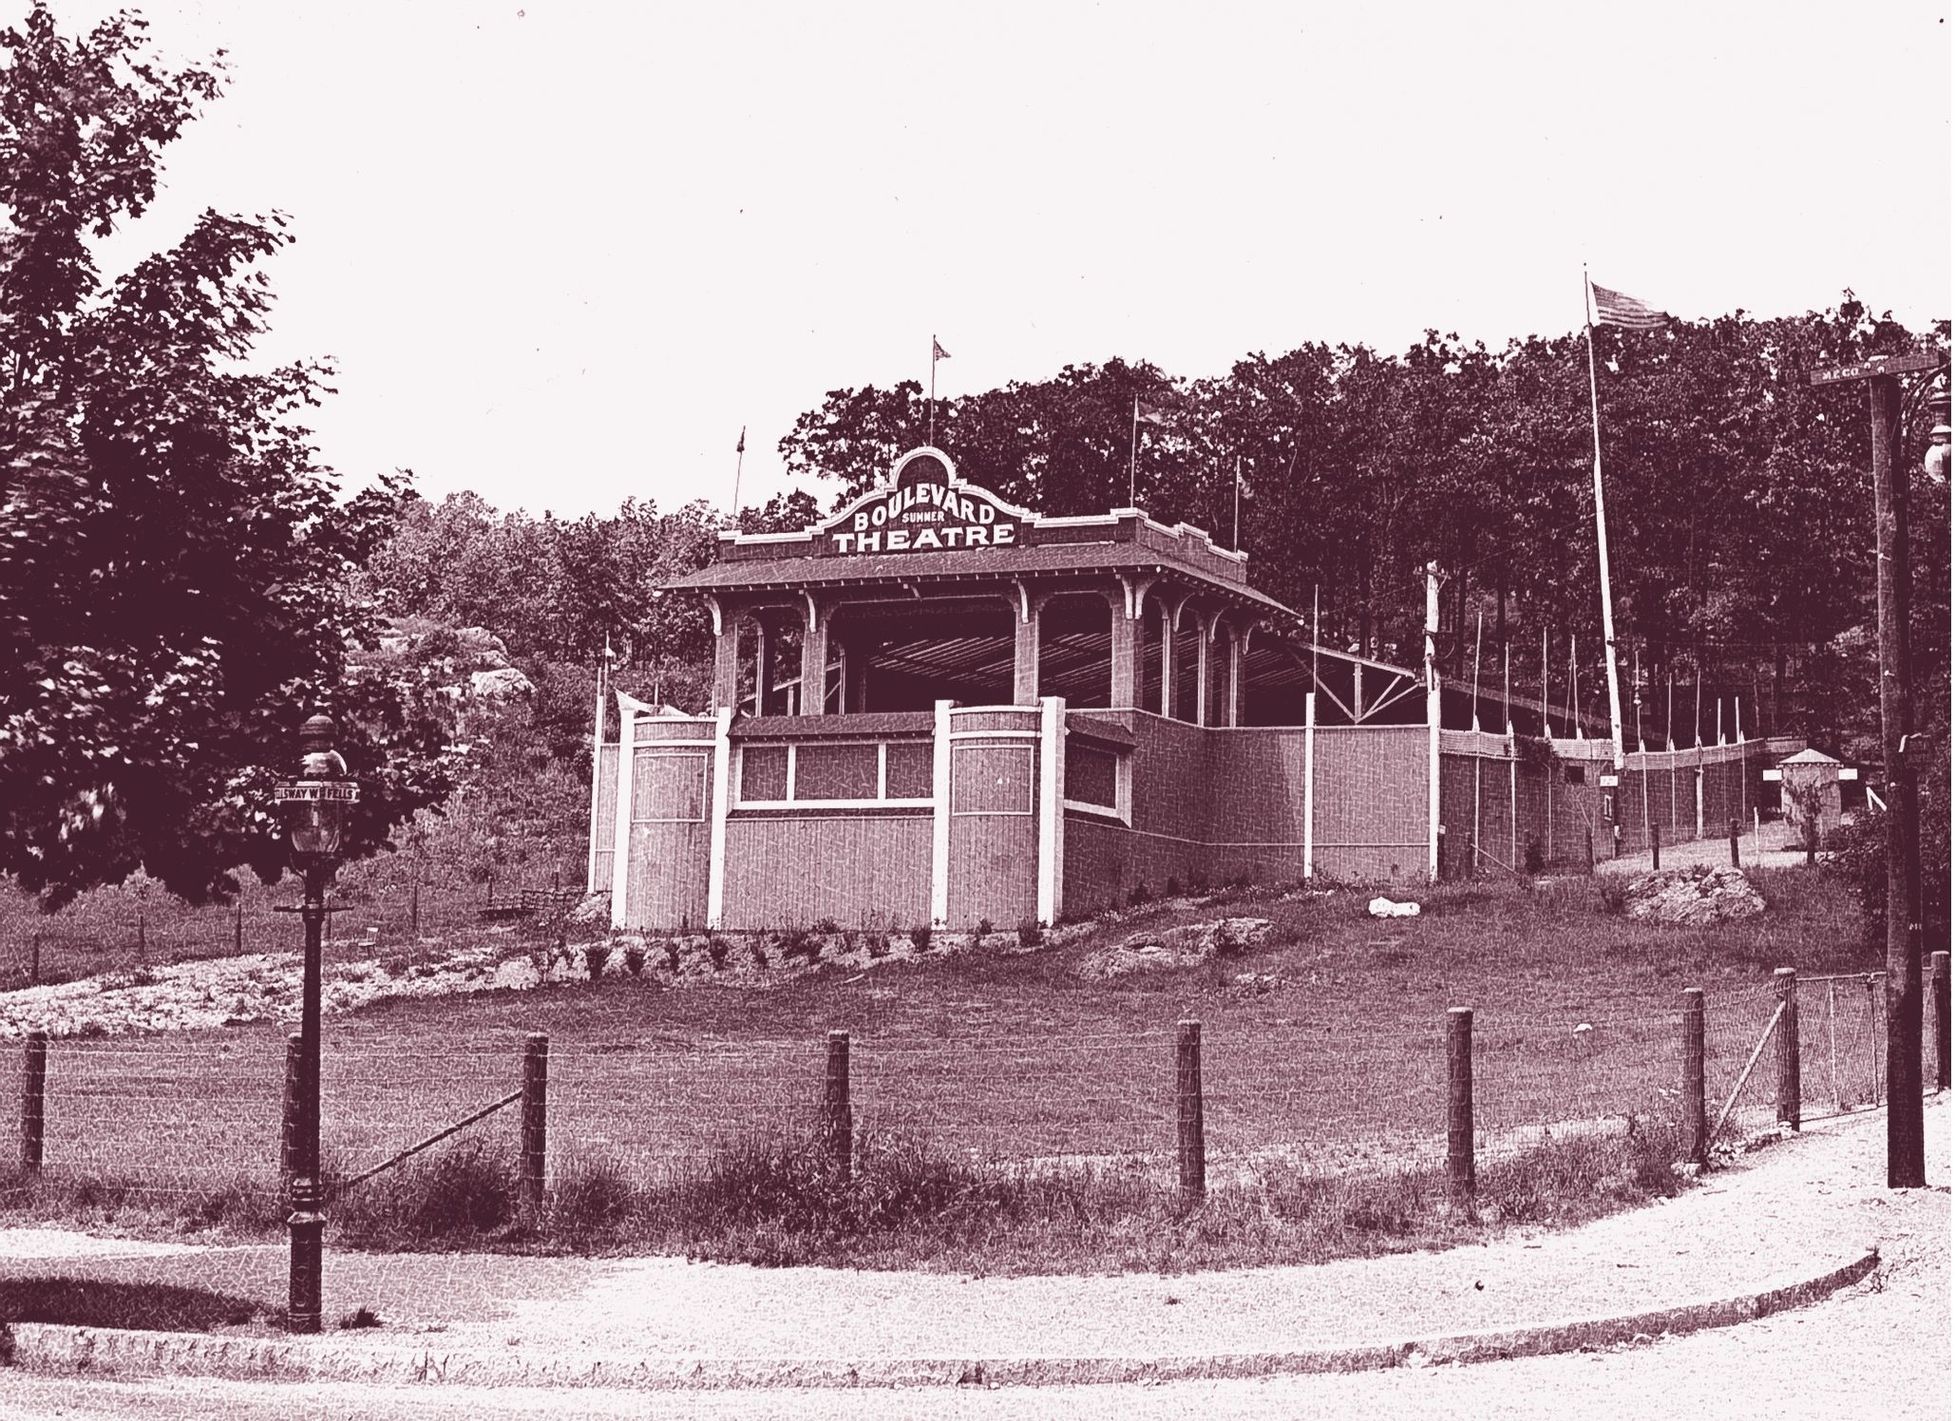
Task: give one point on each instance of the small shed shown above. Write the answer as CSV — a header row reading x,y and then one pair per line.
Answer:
x,y
1809,784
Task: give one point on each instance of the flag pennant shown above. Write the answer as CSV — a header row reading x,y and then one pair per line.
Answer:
x,y
1242,484
937,352
1150,414
741,447
1614,308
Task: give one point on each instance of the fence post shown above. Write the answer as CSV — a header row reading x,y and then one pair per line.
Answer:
x,y
237,928
414,910
1459,1104
837,1119
1938,994
1734,843
1693,1075
33,1102
1190,1148
288,1135
1590,832
536,1082
34,961
1656,846
1785,985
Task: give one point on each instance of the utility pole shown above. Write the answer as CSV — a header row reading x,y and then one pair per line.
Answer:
x,y
1907,1166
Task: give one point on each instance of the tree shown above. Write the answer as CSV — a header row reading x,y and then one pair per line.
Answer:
x,y
174,567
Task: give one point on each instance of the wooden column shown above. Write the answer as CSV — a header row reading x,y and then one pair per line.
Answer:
x,y
726,658
1025,610
814,656
1126,631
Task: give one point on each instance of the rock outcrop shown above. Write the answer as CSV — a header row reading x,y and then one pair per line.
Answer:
x,y
1691,897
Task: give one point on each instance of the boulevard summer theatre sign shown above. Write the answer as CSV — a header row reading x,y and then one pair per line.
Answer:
x,y
926,508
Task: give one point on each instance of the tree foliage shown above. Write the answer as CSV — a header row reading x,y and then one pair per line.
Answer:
x,y
175,573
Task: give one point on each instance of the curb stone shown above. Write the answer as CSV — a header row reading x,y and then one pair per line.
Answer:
x,y
56,1348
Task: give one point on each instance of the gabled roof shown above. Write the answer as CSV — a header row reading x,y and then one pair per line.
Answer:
x,y
1809,757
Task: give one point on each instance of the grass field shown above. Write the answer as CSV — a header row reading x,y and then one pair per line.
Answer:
x,y
1322,1062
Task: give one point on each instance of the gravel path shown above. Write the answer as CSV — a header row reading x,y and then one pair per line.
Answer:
x,y
1790,1211
1880,1349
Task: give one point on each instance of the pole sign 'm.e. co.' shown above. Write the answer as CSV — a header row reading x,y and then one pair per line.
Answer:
x,y
924,511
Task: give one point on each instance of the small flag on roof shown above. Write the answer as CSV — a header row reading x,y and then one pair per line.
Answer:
x,y
937,351
1615,309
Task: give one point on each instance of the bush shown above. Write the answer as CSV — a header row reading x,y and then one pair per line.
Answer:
x,y
920,935
457,1195
591,1197
595,956
1030,933
635,959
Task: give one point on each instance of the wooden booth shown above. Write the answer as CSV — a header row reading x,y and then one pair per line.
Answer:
x,y
937,708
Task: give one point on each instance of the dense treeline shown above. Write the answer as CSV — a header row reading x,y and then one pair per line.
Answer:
x,y
1740,514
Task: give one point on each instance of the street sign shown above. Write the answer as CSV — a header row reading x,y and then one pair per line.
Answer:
x,y
317,792
1606,781
1878,365
1771,775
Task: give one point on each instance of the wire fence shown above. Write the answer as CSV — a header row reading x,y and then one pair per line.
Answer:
x,y
406,923
176,1117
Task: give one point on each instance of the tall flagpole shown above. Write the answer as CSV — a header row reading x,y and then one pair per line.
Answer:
x,y
1133,456
739,462
934,348
1602,531
1547,717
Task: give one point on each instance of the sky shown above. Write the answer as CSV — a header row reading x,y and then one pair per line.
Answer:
x,y
562,254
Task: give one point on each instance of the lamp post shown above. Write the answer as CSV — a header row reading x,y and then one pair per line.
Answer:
x,y
314,807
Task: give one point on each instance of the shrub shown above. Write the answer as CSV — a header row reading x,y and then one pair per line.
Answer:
x,y
717,948
1030,932
459,1194
920,935
1172,888
671,946
1613,890
595,956
1138,895
1532,858
826,927
981,931
635,959
590,1197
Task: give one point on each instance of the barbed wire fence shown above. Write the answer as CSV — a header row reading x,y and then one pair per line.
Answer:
x,y
192,1121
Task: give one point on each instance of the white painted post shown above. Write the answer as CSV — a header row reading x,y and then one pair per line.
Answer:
x,y
621,824
716,831
1052,805
940,820
1309,784
1432,721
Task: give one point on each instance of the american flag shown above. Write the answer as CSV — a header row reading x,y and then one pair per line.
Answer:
x,y
1614,308
937,352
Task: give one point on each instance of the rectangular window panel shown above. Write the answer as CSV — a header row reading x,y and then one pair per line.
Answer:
x,y
763,772
912,769
1574,774
668,787
835,771
991,779
1092,775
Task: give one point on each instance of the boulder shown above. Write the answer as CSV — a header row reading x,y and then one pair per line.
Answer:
x,y
1692,896
503,684
1189,945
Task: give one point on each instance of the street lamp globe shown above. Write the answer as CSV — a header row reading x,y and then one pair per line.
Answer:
x,y
315,811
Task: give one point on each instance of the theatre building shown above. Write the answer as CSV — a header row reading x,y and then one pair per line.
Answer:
x,y
937,708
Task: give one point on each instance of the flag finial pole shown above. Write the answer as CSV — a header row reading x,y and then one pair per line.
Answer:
x,y
739,463
1602,529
